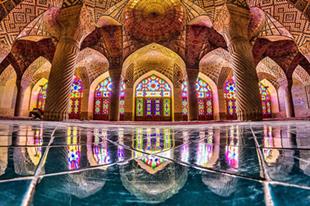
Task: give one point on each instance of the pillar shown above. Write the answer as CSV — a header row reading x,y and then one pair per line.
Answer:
x,y
19,98
115,75
286,87
236,33
63,65
192,75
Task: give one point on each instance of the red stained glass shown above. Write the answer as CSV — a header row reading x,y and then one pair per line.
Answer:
x,y
266,100
76,98
230,99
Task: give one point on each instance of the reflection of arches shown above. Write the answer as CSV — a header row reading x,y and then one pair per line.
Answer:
x,y
8,91
76,98
153,97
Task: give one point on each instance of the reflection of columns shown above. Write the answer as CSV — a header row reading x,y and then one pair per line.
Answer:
x,y
115,75
128,104
288,97
62,71
19,98
222,104
192,94
248,97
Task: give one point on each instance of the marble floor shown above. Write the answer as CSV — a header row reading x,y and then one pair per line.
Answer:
x,y
76,163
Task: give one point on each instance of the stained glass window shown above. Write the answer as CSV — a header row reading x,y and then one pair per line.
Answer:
x,y
184,100
153,99
122,101
76,98
266,100
102,99
205,100
42,97
230,98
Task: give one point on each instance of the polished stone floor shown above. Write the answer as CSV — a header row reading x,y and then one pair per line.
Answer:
x,y
75,163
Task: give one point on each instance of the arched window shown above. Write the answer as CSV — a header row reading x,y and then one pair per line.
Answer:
x,y
42,97
230,99
122,101
76,98
102,99
153,99
184,100
205,100
266,100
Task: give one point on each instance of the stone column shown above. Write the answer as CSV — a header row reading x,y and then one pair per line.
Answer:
x,y
19,98
115,75
286,87
63,65
236,33
192,75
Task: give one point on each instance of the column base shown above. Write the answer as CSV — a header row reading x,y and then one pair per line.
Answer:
x,y
250,115
56,116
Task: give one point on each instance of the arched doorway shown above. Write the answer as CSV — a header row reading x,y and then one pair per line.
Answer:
x,y
266,100
76,98
230,99
102,99
153,99
42,97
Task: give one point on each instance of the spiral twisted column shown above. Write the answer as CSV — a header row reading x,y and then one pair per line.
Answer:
x,y
115,75
192,75
60,80
239,45
247,90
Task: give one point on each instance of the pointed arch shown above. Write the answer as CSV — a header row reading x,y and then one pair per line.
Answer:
x,y
161,76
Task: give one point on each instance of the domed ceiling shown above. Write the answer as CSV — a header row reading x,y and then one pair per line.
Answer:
x,y
154,20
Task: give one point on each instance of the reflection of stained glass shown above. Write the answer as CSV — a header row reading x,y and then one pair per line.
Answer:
x,y
157,141
73,149
153,99
230,98
100,147
76,98
266,100
42,97
120,148
205,149
232,148
205,99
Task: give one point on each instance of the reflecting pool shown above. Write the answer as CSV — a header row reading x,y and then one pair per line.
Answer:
x,y
49,163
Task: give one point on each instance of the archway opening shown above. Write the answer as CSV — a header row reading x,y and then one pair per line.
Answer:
x,y
266,100
153,100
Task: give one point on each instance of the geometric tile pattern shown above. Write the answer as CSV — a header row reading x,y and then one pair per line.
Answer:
x,y
20,17
287,15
